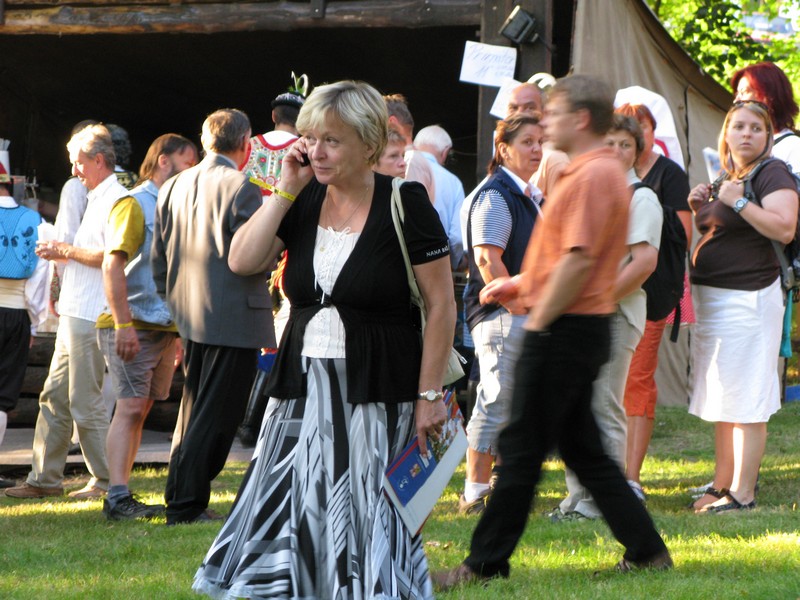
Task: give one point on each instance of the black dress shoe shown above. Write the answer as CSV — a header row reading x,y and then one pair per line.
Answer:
x,y
7,483
203,517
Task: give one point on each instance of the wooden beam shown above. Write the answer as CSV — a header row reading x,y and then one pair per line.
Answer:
x,y
536,57
249,16
318,9
492,18
128,3
531,59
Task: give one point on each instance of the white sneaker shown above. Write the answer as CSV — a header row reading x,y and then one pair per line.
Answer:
x,y
637,489
700,490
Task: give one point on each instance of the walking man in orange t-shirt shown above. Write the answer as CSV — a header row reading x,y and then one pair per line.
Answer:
x,y
566,281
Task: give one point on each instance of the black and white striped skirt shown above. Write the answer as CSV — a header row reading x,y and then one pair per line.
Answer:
x,y
310,519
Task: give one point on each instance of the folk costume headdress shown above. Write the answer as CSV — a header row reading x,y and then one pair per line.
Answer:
x,y
296,95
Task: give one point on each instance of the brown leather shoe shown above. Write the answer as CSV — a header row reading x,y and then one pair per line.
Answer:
x,y
660,562
88,492
461,575
26,490
475,507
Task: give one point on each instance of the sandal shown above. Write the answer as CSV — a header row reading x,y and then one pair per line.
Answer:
x,y
734,504
710,491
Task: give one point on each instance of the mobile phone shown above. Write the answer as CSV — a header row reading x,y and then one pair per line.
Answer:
x,y
304,162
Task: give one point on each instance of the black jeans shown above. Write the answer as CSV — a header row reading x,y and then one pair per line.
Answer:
x,y
550,409
215,391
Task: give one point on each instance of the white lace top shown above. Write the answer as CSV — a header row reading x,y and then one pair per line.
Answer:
x,y
324,335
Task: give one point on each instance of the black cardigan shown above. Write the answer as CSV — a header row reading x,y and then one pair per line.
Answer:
x,y
382,340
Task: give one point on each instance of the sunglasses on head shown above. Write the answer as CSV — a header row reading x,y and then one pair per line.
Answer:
x,y
741,103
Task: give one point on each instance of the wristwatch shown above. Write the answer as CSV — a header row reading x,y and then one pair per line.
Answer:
x,y
430,396
739,205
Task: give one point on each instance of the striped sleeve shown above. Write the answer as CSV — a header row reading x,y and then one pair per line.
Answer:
x,y
491,220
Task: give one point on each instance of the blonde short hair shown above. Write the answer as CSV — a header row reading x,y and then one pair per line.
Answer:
x,y
93,140
354,103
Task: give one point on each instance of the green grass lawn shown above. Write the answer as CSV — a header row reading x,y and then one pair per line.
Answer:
x,y
66,549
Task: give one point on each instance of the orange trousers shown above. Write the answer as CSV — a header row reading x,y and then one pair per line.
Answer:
x,y
640,390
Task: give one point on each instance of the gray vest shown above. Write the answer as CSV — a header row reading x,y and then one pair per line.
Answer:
x,y
145,304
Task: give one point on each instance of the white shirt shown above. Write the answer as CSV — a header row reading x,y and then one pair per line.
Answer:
x,y
82,293
646,217
788,150
449,195
71,206
324,334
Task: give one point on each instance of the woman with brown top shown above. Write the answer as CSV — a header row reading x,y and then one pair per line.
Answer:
x,y
739,302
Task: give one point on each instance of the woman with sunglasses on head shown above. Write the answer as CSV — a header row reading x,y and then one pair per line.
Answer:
x,y
739,302
767,83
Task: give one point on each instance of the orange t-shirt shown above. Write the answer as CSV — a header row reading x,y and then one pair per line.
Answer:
x,y
588,210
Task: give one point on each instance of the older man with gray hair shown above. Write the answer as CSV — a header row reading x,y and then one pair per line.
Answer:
x,y
73,386
223,318
434,144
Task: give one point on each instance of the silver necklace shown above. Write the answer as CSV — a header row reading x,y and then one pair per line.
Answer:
x,y
352,214
343,225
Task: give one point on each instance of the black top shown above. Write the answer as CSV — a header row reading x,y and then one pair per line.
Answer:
x,y
669,182
382,339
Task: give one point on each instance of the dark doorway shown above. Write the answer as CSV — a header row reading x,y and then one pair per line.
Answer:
x,y
154,83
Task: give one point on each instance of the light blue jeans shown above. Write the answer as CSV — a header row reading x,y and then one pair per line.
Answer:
x,y
498,339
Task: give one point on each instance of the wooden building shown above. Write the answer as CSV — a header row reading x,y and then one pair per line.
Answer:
x,y
154,66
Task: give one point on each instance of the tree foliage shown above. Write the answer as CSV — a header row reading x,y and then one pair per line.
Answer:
x,y
714,34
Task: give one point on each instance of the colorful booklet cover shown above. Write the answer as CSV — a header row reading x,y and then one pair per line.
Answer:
x,y
413,483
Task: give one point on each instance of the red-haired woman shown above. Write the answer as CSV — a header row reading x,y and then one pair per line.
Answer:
x,y
768,84
671,185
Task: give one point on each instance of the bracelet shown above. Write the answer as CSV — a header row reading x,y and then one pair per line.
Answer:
x,y
273,189
123,325
282,204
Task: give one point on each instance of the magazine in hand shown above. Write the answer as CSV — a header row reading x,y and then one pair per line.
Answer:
x,y
413,483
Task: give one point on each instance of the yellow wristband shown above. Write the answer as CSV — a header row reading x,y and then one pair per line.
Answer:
x,y
273,189
123,325
282,194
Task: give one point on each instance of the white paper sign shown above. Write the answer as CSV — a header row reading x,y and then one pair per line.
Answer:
x,y
500,107
485,64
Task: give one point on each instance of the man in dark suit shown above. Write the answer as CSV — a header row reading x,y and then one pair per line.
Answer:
x,y
222,317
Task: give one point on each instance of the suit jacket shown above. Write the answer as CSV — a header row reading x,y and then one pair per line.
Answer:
x,y
197,214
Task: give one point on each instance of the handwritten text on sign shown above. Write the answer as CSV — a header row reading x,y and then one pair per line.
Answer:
x,y
487,65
